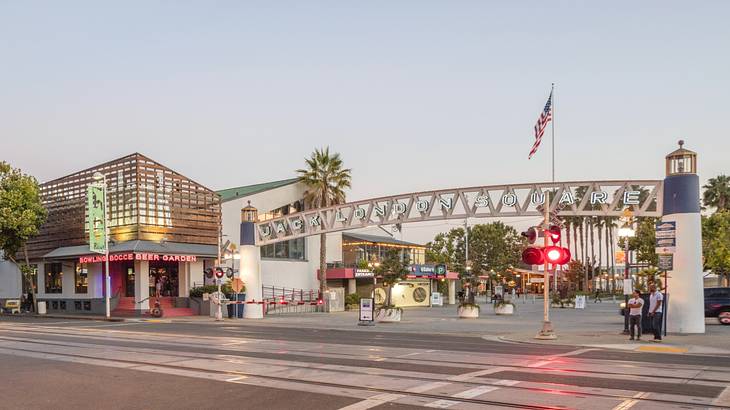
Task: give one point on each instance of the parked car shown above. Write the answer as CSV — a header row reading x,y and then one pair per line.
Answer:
x,y
717,304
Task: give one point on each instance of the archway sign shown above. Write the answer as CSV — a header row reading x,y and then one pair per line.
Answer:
x,y
582,198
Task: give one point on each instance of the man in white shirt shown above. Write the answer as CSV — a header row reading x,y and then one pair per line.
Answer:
x,y
636,304
655,312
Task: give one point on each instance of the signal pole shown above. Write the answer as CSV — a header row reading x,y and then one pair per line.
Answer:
x,y
546,333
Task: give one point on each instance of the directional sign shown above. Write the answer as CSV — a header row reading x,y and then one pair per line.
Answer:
x,y
96,221
666,237
666,262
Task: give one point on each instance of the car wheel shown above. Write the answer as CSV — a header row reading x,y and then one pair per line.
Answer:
x,y
724,317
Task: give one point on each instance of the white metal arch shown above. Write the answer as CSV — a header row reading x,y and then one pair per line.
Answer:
x,y
580,198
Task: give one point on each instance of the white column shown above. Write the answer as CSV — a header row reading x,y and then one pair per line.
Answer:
x,y
183,279
141,284
351,286
250,274
686,295
452,292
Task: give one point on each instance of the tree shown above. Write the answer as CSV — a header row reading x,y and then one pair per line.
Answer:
x,y
644,242
21,216
392,269
326,181
717,193
575,273
716,244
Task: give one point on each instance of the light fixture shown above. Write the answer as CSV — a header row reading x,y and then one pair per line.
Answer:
x,y
626,231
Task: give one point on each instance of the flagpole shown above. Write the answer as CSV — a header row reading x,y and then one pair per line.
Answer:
x,y
547,332
552,127
552,131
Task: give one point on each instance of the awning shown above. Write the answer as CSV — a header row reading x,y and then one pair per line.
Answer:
x,y
168,248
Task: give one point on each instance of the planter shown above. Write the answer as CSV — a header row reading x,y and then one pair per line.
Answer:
x,y
468,312
389,315
504,309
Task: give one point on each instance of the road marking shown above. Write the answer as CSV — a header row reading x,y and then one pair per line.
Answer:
x,y
574,352
540,363
629,403
724,398
467,376
426,387
410,354
441,404
507,382
373,401
663,349
477,391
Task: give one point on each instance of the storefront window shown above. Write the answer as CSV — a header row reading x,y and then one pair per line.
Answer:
x,y
54,278
31,278
292,249
81,278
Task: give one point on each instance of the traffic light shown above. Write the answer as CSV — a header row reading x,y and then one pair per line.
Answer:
x,y
208,273
554,233
533,256
530,234
557,255
219,273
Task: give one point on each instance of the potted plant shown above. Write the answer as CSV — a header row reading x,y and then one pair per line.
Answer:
x,y
504,307
391,270
468,310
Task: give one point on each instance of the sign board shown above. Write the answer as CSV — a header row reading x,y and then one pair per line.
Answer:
x,y
363,273
580,302
537,280
498,290
366,309
237,285
437,299
628,287
95,220
666,261
666,237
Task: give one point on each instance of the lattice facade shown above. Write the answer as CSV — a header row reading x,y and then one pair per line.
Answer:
x,y
146,201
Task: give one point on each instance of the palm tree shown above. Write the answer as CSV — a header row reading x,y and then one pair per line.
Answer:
x,y
326,181
717,193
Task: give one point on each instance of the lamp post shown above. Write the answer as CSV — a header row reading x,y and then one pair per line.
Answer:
x,y
626,232
372,266
99,177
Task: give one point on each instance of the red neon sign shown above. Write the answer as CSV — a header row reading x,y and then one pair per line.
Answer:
x,y
120,257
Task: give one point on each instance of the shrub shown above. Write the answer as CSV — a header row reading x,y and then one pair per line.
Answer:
x,y
197,292
352,299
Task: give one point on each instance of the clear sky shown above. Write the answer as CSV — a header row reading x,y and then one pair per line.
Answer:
x,y
415,95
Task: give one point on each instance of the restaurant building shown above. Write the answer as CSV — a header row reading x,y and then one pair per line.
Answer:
x,y
164,230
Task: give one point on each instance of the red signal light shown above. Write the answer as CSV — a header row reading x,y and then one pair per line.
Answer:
x,y
533,256
219,273
554,232
557,255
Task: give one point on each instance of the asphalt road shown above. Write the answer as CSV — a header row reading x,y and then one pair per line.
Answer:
x,y
90,364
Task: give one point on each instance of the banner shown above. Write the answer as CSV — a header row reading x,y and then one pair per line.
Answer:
x,y
95,222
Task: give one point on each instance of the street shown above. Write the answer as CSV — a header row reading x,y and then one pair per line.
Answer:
x,y
58,363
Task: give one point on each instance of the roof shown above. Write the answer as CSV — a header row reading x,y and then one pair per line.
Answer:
x,y
242,191
173,248
379,239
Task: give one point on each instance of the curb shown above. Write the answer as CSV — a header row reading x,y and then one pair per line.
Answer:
x,y
73,317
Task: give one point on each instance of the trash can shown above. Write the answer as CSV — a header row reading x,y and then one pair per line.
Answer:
x,y
41,308
239,297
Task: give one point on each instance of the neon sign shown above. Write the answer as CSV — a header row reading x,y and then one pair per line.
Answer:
x,y
121,257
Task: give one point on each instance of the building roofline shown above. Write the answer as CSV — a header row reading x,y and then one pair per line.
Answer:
x,y
230,194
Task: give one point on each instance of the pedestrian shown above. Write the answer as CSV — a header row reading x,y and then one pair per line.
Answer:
x,y
655,312
29,299
635,306
158,287
597,297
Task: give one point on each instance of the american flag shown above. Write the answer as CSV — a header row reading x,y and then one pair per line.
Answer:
x,y
545,116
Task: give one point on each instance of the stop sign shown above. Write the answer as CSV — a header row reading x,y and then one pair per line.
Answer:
x,y
237,285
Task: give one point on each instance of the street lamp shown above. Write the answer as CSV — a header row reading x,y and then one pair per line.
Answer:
x,y
626,231
99,177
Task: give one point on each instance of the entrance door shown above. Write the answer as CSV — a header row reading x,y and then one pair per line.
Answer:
x,y
129,282
164,275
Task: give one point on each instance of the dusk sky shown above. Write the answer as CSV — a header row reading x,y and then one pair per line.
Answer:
x,y
415,95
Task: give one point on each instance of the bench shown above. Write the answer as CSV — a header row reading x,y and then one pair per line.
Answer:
x,y
12,306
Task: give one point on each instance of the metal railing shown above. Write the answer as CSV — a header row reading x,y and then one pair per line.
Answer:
x,y
279,299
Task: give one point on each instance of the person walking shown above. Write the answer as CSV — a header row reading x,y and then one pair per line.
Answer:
x,y
635,306
597,297
655,312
